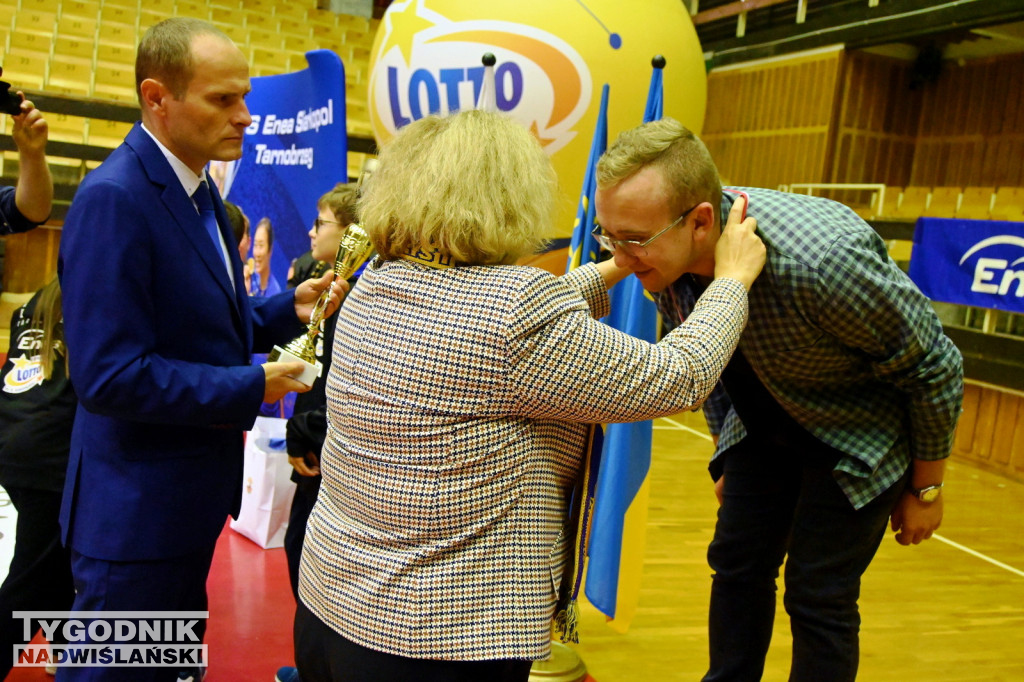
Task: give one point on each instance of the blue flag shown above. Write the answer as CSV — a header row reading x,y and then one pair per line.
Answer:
x,y
583,248
618,534
655,93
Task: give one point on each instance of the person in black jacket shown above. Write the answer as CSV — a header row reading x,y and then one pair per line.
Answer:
x,y
307,427
37,409
28,203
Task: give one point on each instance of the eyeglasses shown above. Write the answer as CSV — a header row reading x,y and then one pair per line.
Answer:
x,y
319,221
631,246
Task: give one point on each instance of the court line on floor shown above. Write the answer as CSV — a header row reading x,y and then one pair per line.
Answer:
x,y
681,427
979,555
676,426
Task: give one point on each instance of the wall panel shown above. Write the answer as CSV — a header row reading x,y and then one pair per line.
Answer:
x,y
991,430
972,125
877,116
30,260
770,123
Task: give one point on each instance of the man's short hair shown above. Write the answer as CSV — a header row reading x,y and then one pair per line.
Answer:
x,y
341,201
476,186
237,220
165,53
670,146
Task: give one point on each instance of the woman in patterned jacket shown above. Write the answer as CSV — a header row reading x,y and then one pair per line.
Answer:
x,y
459,399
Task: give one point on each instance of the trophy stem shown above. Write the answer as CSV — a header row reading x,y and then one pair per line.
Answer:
x,y
353,250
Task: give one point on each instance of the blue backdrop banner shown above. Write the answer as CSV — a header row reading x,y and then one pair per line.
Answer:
x,y
970,262
294,151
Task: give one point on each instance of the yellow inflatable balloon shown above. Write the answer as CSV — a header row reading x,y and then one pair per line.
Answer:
x,y
552,59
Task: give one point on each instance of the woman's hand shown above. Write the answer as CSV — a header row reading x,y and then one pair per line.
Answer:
x,y
740,253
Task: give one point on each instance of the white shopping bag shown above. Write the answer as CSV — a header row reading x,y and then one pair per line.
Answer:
x,y
267,489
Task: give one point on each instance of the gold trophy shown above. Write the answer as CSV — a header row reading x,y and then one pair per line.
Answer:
x,y
354,249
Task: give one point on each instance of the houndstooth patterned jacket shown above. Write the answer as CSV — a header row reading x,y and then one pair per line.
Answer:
x,y
458,402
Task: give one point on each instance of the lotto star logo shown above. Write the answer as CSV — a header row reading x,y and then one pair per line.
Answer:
x,y
26,373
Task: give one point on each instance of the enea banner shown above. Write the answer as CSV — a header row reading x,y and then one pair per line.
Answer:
x,y
970,262
294,151
553,58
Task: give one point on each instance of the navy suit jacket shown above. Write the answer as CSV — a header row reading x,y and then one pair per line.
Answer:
x,y
159,343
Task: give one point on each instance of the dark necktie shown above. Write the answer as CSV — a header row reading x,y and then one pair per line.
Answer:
x,y
204,202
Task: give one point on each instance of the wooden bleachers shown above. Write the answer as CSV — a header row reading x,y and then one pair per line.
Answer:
x,y
942,202
86,48
976,203
115,35
31,68
119,14
114,81
913,203
890,207
1008,204
971,203
64,128
888,202
74,25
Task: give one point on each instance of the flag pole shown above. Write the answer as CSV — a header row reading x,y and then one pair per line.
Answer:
x,y
619,527
487,98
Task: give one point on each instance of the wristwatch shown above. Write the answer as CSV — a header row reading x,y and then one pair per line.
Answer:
x,y
928,494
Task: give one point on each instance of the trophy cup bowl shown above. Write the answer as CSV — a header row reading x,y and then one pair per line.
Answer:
x,y
353,250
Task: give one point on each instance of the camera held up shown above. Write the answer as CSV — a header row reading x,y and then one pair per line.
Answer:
x,y
10,102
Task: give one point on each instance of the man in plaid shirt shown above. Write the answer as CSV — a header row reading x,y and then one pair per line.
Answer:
x,y
836,412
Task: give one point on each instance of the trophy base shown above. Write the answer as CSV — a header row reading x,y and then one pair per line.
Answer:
x,y
310,371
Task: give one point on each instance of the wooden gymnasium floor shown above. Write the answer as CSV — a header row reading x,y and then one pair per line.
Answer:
x,y
950,610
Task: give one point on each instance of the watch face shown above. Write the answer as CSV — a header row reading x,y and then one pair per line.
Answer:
x,y
930,494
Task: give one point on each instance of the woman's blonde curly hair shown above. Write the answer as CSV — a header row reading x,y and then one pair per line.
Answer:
x,y
474,185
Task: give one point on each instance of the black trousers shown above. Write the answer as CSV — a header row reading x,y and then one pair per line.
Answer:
x,y
783,503
325,656
40,575
306,491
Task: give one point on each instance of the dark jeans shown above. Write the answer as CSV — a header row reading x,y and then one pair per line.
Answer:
x,y
306,490
40,575
779,502
324,656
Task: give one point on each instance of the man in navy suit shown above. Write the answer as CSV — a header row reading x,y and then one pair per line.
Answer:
x,y
160,332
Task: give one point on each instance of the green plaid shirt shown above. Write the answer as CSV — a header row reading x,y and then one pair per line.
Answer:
x,y
844,342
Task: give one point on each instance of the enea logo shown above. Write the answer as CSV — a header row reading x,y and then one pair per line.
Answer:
x,y
994,274
26,373
428,64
